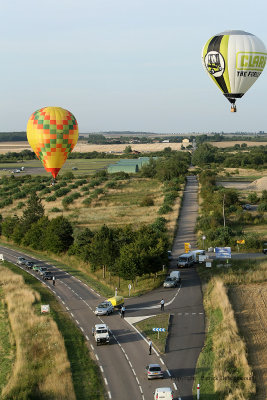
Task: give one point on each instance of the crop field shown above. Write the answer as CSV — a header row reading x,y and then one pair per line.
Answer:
x,y
84,147
225,144
90,202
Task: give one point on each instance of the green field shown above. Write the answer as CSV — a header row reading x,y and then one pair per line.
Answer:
x,y
35,167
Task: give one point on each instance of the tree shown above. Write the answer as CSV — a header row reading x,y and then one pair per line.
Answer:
x,y
127,150
103,250
34,211
8,225
58,235
35,236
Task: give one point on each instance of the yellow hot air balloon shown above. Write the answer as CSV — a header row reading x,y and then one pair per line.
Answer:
x,y
52,133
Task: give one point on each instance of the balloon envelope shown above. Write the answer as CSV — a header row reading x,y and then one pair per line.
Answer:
x,y
52,133
234,60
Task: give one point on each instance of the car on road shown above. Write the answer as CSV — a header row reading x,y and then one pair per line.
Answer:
x,y
42,270
47,275
163,393
186,260
247,207
104,308
176,275
29,264
170,282
153,371
36,267
21,261
264,251
101,334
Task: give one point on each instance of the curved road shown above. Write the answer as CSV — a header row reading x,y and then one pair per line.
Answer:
x,y
122,362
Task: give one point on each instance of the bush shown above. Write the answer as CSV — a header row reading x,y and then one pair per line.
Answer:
x,y
51,198
147,201
87,201
62,192
165,209
111,185
55,209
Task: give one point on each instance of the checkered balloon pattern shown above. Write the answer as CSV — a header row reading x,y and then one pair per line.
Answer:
x,y
52,133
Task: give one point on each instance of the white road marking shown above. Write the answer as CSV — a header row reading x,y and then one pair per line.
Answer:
x,y
101,368
141,389
130,364
162,362
92,347
87,338
71,314
67,308
137,380
82,329
168,372
96,356
106,382
109,395
175,387
77,321
63,301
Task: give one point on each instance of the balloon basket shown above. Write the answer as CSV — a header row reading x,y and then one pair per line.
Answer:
x,y
233,109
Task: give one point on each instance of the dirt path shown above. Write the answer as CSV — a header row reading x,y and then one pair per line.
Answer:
x,y
250,306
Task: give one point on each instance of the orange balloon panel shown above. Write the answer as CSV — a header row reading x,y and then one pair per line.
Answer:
x,y
52,133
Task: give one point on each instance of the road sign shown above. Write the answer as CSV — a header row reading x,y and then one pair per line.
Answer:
x,y
223,252
45,308
158,329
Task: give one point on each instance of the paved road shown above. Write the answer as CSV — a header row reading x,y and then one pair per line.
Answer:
x,y
122,362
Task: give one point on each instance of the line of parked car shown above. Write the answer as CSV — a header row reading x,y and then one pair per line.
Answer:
x,y
43,271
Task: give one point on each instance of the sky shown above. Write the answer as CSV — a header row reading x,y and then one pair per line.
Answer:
x,y
120,65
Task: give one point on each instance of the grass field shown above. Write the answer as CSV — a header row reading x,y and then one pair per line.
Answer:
x,y
7,345
246,282
158,339
86,377
41,368
35,167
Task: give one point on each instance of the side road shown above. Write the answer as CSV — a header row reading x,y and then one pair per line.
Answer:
x,y
187,334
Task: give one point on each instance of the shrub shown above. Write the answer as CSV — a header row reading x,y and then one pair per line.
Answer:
x,y
62,192
55,209
147,201
87,201
111,185
165,209
51,198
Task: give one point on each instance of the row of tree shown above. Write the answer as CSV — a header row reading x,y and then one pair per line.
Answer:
x,y
206,154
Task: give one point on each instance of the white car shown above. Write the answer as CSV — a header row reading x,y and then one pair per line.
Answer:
x,y
163,393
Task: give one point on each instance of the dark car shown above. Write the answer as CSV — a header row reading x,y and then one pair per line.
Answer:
x,y
29,264
47,275
264,251
42,270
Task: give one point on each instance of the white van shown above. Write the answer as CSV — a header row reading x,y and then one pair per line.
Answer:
x,y
163,393
176,275
196,254
186,260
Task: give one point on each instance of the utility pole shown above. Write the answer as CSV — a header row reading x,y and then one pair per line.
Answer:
x,y
223,211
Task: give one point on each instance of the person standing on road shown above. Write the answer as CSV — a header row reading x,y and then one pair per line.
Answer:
x,y
162,305
54,280
150,346
122,311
